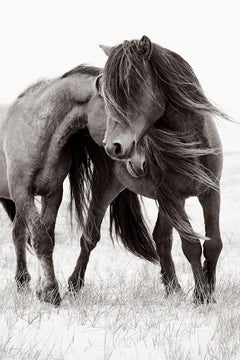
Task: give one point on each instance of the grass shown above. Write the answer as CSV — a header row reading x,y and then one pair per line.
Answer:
x,y
122,312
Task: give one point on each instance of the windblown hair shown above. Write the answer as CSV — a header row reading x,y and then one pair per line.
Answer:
x,y
90,167
173,152
125,74
174,156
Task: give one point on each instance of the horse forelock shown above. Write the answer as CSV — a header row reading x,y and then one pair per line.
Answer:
x,y
125,74
124,77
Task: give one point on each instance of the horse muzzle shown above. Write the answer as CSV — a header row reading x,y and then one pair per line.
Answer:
x,y
136,171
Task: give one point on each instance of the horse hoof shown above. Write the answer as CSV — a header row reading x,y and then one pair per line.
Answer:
x,y
203,298
173,289
75,285
49,295
22,281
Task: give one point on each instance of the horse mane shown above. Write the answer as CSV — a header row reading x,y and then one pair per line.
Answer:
x,y
179,153
125,73
78,70
82,70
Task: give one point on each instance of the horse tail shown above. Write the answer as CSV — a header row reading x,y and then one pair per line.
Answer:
x,y
10,208
89,161
127,219
79,175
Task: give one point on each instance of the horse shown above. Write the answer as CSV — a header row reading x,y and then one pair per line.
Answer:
x,y
149,89
110,183
36,154
35,158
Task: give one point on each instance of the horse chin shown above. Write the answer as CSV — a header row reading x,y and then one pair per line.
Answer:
x,y
134,171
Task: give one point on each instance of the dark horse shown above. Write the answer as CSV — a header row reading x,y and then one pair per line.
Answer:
x,y
149,89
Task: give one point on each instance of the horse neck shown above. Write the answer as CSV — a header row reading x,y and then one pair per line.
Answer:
x,y
66,103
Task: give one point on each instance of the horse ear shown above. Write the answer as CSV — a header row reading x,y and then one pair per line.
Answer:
x,y
98,84
146,46
106,49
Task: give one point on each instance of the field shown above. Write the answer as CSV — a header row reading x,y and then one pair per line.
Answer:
x,y
122,312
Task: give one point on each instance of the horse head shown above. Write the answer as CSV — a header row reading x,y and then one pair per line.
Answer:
x,y
133,101
97,123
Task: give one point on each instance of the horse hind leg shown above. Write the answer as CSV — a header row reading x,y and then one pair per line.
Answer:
x,y
101,199
88,241
20,236
41,242
162,235
49,210
76,280
210,202
9,207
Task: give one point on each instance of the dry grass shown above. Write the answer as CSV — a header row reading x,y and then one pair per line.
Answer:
x,y
122,312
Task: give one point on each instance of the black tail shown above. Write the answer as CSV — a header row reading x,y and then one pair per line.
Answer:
x,y
127,219
10,208
88,162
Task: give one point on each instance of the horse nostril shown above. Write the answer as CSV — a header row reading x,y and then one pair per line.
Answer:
x,y
104,142
117,149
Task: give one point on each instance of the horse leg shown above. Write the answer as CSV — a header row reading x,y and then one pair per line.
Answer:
x,y
162,235
91,232
210,203
9,207
50,206
41,241
49,210
193,251
22,276
19,234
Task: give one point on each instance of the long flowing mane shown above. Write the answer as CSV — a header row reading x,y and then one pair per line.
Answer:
x,y
125,74
176,144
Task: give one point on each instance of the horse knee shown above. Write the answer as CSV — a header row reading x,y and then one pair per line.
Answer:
x,y
212,248
192,251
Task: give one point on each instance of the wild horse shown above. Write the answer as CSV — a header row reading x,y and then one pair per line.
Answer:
x,y
151,90
35,158
36,154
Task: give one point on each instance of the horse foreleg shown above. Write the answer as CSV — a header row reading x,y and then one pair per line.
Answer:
x,y
101,199
210,202
192,249
162,235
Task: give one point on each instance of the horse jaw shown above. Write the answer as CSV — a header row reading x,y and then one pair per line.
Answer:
x,y
106,49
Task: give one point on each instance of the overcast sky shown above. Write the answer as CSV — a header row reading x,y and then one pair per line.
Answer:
x,y
46,38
